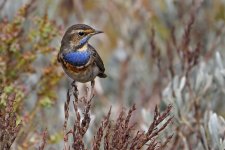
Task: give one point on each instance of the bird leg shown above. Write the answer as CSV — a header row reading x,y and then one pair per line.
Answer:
x,y
92,87
74,87
73,84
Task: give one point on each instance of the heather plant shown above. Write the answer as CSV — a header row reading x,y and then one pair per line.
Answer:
x,y
24,39
115,134
166,57
8,123
195,76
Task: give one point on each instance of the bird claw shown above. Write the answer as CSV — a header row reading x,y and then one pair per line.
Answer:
x,y
74,88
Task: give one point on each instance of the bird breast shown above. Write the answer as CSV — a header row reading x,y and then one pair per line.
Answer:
x,y
77,58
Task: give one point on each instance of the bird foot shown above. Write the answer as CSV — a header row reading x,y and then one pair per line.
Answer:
x,y
92,88
74,88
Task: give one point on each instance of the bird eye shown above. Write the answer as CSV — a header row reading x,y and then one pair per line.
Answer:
x,y
81,33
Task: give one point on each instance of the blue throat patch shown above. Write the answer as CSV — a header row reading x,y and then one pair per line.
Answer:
x,y
84,40
77,58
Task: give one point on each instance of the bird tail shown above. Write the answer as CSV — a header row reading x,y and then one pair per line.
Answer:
x,y
102,75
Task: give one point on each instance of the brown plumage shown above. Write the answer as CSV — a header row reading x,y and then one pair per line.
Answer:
x,y
80,60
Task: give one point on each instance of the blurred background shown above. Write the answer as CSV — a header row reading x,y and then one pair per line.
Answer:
x,y
156,52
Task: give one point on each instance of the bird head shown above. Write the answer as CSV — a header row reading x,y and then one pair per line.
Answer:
x,y
78,35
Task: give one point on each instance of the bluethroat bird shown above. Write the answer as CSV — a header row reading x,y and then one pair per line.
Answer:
x,y
79,60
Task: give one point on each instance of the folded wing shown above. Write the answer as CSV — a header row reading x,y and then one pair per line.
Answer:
x,y
98,61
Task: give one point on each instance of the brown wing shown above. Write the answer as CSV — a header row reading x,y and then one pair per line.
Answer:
x,y
98,61
60,51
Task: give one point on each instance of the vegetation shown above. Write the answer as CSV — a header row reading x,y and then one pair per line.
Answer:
x,y
164,61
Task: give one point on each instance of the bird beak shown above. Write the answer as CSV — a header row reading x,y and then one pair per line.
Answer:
x,y
97,32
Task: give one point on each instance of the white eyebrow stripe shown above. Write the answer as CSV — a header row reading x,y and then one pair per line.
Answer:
x,y
76,31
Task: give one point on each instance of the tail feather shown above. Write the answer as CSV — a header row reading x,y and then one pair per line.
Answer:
x,y
102,75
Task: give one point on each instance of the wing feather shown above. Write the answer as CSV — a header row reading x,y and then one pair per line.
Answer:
x,y
98,61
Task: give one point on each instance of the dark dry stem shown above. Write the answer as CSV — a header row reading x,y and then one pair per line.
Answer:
x,y
98,138
117,135
107,145
44,138
153,129
8,126
66,111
